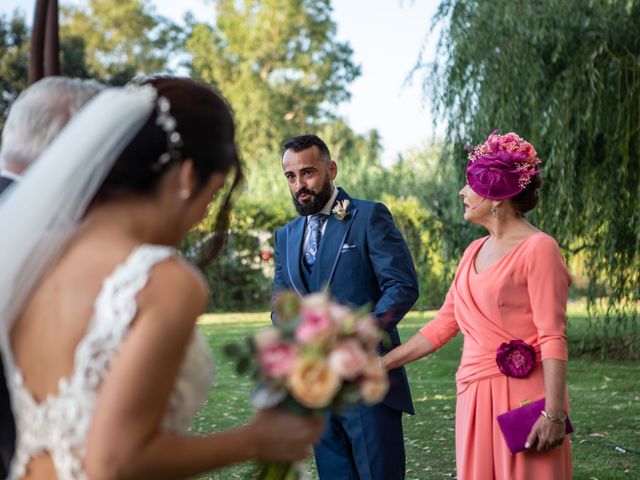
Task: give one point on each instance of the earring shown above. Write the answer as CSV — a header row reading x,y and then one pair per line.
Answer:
x,y
184,194
494,212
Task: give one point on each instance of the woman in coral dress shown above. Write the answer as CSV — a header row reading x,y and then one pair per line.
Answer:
x,y
510,285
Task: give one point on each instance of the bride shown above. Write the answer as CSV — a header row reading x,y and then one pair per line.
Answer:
x,y
97,309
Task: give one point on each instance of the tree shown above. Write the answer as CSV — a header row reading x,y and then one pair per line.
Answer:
x,y
14,60
120,38
277,62
565,75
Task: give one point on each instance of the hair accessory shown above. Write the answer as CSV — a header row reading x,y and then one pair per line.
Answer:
x,y
168,123
502,166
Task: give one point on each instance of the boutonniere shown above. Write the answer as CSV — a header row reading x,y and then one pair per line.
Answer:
x,y
341,210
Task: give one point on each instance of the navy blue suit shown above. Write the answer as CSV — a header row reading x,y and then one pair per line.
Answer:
x,y
7,426
364,261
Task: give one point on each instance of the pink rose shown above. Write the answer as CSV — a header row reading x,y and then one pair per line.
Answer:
x,y
511,137
348,359
528,151
316,325
278,359
313,383
509,142
375,384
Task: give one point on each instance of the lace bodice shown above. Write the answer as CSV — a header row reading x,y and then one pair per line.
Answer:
x,y
59,424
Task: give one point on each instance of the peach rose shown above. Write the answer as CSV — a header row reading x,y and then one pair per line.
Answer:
x,y
313,383
278,359
315,326
348,359
375,384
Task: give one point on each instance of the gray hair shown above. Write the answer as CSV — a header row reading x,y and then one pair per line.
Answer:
x,y
38,115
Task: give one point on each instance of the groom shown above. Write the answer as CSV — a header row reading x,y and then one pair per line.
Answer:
x,y
359,254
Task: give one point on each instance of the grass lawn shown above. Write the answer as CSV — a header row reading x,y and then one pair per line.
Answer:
x,y
605,404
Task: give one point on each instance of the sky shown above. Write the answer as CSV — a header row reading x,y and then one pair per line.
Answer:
x,y
386,37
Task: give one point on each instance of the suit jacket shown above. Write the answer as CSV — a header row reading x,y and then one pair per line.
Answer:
x,y
363,260
7,426
4,183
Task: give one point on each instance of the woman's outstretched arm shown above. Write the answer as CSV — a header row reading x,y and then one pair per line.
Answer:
x,y
416,347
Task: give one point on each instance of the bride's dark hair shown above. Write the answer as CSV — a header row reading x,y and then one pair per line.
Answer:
x,y
205,124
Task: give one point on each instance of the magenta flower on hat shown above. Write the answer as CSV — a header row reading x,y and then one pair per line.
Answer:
x,y
516,358
502,166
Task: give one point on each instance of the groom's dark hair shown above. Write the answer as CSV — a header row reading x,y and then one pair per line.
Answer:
x,y
302,142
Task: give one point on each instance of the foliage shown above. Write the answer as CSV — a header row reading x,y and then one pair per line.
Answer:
x,y
603,403
568,80
421,229
14,60
120,38
278,63
241,278
105,40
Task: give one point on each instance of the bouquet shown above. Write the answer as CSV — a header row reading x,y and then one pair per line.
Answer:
x,y
322,356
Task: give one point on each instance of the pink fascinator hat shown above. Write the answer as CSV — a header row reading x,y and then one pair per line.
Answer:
x,y
502,166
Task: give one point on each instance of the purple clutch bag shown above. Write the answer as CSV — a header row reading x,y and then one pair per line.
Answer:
x,y
516,424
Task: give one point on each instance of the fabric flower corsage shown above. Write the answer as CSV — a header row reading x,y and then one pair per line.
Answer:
x,y
516,358
341,210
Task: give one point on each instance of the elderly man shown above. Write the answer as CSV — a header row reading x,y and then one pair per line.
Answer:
x,y
35,118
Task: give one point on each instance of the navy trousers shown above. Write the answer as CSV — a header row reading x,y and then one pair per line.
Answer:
x,y
364,443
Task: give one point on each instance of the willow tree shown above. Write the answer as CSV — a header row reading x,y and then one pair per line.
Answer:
x,y
565,74
279,64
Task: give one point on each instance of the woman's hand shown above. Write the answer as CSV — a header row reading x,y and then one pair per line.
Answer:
x,y
284,437
416,347
546,435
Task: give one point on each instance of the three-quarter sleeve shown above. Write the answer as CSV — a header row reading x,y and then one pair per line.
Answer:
x,y
444,326
548,283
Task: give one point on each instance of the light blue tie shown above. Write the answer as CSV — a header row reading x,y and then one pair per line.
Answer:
x,y
315,226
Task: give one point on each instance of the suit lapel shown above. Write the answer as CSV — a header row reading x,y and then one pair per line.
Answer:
x,y
295,235
331,246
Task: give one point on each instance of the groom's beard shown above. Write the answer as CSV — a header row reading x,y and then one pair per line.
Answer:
x,y
317,202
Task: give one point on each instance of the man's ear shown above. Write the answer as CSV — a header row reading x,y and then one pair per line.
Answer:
x,y
332,167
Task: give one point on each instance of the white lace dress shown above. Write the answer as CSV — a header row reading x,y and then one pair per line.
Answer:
x,y
59,425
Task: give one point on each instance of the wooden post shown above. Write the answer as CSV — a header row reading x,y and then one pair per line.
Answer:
x,y
44,55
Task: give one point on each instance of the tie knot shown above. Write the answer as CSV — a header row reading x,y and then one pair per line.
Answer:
x,y
316,219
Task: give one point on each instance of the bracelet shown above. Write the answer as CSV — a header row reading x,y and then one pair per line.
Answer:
x,y
553,419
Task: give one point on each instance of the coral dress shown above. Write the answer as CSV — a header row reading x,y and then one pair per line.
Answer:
x,y
521,296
